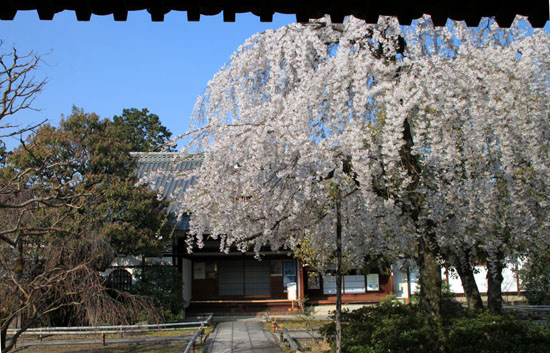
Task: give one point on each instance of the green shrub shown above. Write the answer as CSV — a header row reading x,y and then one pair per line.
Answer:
x,y
484,332
392,327
388,327
388,299
535,276
162,283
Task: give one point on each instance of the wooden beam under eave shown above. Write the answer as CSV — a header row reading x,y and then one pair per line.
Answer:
x,y
83,14
193,16
228,15
266,16
470,11
157,13
45,13
120,10
120,15
7,14
505,20
337,18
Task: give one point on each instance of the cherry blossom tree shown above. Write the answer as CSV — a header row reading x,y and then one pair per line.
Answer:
x,y
285,172
477,106
402,143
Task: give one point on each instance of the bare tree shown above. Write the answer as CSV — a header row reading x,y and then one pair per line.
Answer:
x,y
18,86
51,246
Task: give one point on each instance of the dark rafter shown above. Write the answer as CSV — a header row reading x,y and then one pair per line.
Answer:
x,y
470,11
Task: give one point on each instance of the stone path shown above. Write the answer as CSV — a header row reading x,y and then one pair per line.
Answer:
x,y
241,337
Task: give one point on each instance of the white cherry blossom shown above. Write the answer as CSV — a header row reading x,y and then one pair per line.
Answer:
x,y
305,110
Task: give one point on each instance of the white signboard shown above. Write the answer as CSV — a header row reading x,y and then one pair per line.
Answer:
x,y
199,270
372,282
329,284
354,284
291,291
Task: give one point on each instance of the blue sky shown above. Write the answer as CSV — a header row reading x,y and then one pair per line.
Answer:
x,y
104,66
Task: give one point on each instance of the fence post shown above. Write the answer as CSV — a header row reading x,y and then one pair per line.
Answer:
x,y
102,338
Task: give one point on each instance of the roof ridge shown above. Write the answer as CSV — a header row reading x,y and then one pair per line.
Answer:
x,y
171,154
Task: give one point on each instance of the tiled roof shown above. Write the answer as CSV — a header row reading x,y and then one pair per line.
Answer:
x,y
165,172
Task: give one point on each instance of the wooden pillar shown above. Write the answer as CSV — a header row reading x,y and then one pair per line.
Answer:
x,y
392,282
517,279
300,280
244,277
408,286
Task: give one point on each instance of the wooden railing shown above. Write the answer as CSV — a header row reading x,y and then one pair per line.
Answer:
x,y
116,329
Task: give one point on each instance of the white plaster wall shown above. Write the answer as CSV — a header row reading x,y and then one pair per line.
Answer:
x,y
509,284
133,264
454,281
166,260
400,284
480,276
415,287
400,280
135,272
125,261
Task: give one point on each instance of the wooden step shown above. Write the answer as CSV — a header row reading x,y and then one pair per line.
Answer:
x,y
241,307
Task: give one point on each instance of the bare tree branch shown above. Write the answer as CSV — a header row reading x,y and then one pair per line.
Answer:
x,y
18,84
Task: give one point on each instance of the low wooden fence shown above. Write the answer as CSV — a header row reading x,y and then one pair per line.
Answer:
x,y
116,329
282,334
191,345
539,313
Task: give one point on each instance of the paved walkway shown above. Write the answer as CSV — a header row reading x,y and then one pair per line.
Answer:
x,y
241,337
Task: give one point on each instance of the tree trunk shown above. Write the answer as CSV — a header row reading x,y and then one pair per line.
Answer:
x,y
428,249
429,280
3,333
20,261
17,276
3,339
338,315
13,340
494,286
466,272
